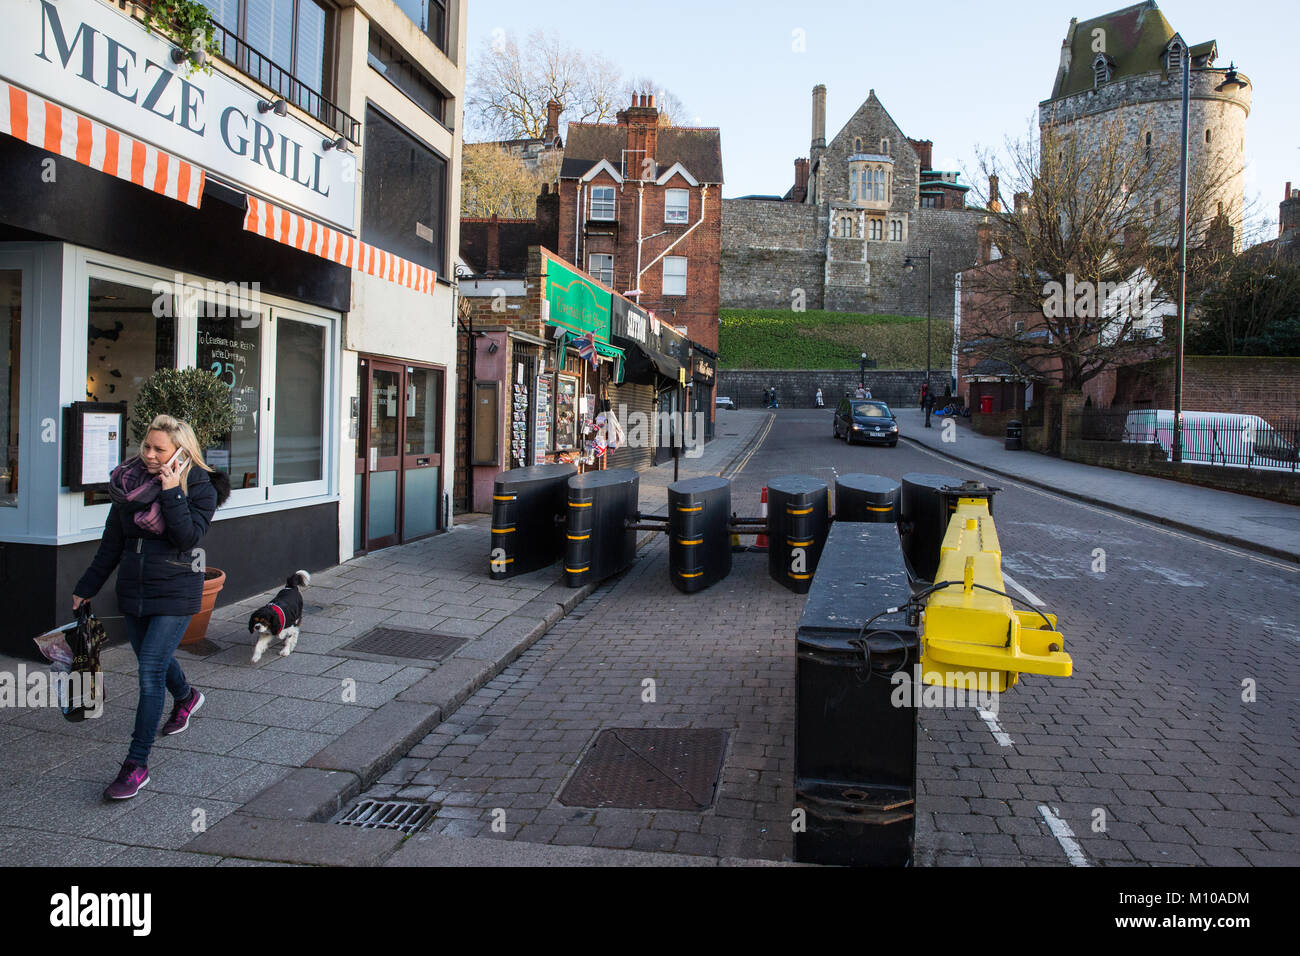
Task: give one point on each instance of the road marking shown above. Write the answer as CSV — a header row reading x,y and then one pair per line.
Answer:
x,y
1001,479
1027,594
757,445
1000,735
1064,836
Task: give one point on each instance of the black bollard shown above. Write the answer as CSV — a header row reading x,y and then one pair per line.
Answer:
x,y
599,542
798,517
525,505
870,498
699,545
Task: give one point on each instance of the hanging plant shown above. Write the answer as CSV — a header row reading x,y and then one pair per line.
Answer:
x,y
188,24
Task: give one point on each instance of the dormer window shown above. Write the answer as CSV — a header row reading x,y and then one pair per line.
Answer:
x,y
1174,58
1101,68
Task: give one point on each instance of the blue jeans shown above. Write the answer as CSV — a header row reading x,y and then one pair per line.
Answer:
x,y
154,640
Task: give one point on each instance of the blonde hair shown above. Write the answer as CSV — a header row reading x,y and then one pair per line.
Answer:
x,y
182,436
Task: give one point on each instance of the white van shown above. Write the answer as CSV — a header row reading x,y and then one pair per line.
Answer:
x,y
1213,438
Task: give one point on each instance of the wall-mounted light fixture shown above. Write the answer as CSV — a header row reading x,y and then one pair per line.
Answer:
x,y
279,106
492,348
341,144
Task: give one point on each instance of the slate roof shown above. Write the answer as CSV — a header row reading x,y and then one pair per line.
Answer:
x,y
699,150
1136,38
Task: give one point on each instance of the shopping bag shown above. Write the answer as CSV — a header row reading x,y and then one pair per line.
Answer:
x,y
82,694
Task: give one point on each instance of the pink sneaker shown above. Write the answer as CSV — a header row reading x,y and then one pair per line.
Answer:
x,y
129,780
180,718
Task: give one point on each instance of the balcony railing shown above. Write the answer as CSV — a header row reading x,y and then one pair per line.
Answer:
x,y
256,65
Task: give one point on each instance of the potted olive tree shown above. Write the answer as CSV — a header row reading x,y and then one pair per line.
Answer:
x,y
202,400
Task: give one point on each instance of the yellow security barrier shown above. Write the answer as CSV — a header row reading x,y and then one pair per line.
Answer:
x,y
972,637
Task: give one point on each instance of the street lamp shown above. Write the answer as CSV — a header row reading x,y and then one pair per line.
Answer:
x,y
909,264
862,370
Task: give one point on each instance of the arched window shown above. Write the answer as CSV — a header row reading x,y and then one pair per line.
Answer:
x,y
857,145
876,229
1207,136
1147,149
884,147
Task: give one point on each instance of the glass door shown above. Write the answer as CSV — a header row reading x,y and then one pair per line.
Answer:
x,y
399,466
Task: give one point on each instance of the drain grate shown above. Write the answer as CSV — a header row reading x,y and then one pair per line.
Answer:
x,y
415,645
655,768
389,815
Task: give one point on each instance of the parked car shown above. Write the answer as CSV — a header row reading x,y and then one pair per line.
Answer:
x,y
1212,437
724,402
866,420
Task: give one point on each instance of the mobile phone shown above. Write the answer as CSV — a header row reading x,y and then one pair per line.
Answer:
x,y
177,459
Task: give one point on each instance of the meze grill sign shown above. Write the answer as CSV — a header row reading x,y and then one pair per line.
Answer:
x,y
87,56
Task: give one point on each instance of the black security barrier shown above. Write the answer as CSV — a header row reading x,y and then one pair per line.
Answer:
x,y
699,542
798,517
872,498
923,520
600,538
855,750
528,506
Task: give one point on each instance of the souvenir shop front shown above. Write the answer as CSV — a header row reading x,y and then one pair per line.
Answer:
x,y
655,359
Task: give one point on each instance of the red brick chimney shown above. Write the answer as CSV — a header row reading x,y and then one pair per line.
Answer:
x,y
800,180
983,244
995,202
552,130
642,122
924,152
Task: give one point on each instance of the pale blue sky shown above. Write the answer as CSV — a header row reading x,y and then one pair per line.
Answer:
x,y
977,79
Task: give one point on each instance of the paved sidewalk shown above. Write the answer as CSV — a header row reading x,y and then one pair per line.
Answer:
x,y
281,745
1256,524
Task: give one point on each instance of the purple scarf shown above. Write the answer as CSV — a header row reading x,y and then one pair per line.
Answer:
x,y
132,487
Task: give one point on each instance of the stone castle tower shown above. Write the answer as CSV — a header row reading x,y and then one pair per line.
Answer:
x,y
1127,66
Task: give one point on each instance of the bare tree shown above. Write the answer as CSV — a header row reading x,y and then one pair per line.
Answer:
x,y
512,86
1085,247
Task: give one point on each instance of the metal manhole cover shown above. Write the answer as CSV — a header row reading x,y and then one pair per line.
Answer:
x,y
416,645
389,815
656,768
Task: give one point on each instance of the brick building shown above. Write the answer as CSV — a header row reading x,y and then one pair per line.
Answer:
x,y
861,204
640,209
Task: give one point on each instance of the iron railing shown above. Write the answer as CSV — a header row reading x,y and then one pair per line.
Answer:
x,y
256,65
1233,439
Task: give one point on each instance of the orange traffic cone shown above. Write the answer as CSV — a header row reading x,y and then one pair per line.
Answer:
x,y
760,542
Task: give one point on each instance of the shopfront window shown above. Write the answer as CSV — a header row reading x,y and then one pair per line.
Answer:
x,y
404,194
11,313
299,446
230,345
423,388
126,343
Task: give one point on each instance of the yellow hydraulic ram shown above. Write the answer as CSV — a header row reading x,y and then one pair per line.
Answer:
x,y
972,637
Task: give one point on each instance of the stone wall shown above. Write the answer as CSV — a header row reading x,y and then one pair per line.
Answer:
x,y
797,388
771,250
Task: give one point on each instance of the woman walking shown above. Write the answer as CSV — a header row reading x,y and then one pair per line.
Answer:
x,y
163,501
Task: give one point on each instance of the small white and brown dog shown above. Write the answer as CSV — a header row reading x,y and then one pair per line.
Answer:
x,y
281,618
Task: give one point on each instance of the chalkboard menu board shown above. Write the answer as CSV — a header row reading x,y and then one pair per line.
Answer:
x,y
231,347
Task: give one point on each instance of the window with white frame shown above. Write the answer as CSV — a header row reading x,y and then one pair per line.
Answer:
x,y
602,202
677,205
275,356
674,275
601,267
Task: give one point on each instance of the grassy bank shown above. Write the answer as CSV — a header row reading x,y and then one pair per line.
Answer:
x,y
780,338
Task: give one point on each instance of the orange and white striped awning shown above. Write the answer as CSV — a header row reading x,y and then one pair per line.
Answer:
x,y
271,221
37,121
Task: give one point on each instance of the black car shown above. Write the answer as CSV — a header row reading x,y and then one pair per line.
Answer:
x,y
866,420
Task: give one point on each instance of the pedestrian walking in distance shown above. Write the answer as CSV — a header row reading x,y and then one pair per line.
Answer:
x,y
820,403
163,501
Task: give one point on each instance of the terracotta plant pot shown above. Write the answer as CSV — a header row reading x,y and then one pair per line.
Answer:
x,y
213,582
